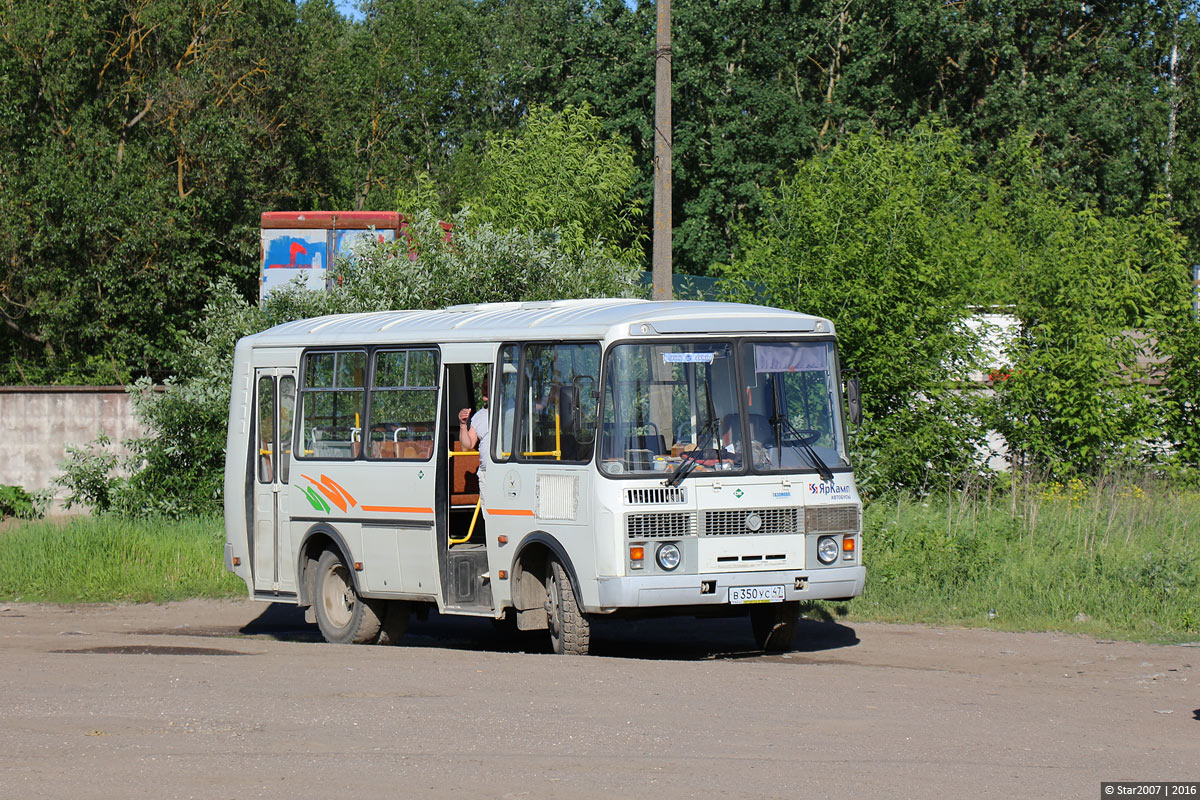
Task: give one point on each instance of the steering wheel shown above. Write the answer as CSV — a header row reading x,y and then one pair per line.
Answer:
x,y
807,435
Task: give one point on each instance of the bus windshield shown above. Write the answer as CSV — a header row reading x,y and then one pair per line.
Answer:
x,y
662,401
793,410
683,406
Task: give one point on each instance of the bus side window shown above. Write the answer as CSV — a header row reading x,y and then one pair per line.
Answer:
x,y
504,397
559,422
266,429
331,404
287,416
403,405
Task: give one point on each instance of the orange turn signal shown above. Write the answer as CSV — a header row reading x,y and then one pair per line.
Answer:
x,y
503,574
358,566
237,561
848,544
502,539
637,553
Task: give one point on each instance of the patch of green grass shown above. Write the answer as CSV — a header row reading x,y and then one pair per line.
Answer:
x,y
1111,559
109,559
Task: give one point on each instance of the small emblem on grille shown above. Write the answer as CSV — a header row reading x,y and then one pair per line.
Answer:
x,y
753,523
738,494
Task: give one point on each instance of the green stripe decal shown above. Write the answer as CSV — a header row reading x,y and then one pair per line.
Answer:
x,y
315,500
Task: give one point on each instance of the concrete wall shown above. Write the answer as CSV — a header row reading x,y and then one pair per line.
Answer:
x,y
38,422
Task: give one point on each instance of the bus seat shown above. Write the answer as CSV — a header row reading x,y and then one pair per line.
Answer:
x,y
464,481
760,428
656,443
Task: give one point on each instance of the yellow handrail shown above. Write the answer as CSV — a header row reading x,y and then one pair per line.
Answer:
x,y
470,530
556,452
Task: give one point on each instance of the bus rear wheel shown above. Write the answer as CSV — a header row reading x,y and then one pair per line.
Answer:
x,y
342,615
774,625
570,631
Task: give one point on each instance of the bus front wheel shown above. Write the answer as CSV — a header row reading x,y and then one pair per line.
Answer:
x,y
570,631
342,616
774,625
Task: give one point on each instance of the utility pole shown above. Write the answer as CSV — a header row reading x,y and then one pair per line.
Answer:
x,y
660,392
661,266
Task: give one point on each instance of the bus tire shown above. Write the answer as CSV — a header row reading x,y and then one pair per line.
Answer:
x,y
342,615
774,625
395,621
570,631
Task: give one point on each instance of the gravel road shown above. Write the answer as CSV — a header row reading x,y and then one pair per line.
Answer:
x,y
211,699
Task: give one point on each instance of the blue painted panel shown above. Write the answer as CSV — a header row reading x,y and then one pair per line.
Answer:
x,y
293,254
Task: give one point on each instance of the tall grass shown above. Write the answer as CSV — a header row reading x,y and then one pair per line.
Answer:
x,y
1112,558
108,559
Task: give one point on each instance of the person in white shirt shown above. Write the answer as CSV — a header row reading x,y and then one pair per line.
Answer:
x,y
474,432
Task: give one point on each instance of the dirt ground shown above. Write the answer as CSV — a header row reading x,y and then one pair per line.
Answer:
x,y
211,699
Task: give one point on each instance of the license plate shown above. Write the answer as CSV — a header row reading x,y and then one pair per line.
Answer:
x,y
739,595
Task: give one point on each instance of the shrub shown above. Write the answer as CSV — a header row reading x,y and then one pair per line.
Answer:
x,y
15,501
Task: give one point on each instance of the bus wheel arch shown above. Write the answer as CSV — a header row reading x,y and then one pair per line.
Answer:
x,y
318,539
531,566
545,593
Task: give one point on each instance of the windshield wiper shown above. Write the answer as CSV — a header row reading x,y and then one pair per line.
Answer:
x,y
800,445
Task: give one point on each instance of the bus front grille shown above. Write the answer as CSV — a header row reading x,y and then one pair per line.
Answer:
x,y
669,525
831,519
740,521
655,495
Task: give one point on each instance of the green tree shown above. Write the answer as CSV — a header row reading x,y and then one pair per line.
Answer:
x,y
139,139
393,96
559,172
872,234
893,238
1099,298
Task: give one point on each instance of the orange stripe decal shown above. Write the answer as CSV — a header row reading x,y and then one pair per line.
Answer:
x,y
339,488
399,509
508,512
333,495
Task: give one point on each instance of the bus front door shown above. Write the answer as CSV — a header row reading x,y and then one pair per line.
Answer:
x,y
275,406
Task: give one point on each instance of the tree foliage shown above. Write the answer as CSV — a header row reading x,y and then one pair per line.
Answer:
x,y
560,172
870,234
140,139
894,238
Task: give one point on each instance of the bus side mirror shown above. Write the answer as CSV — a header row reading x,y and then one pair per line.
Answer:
x,y
854,400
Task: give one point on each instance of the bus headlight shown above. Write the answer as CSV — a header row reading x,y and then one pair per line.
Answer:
x,y
668,556
827,550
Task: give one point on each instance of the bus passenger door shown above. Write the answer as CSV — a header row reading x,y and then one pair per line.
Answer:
x,y
463,555
275,406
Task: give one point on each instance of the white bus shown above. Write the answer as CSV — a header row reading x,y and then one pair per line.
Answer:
x,y
645,458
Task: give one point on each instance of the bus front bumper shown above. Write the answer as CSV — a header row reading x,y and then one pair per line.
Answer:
x,y
648,591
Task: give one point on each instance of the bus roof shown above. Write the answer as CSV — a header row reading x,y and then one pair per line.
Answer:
x,y
555,319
